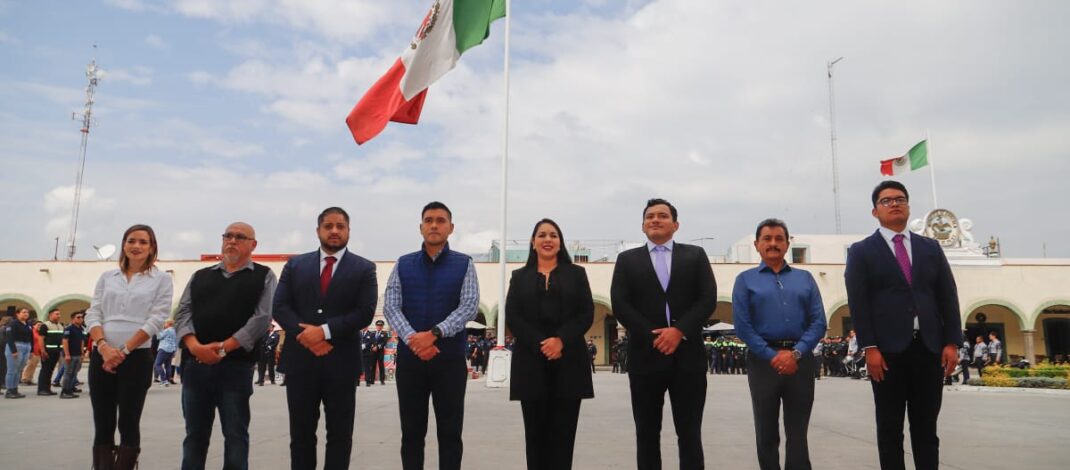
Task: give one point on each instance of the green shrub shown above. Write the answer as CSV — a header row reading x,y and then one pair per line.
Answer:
x,y
1050,373
998,380
1041,382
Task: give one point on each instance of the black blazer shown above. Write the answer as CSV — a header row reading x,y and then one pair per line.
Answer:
x,y
530,369
347,308
883,304
639,305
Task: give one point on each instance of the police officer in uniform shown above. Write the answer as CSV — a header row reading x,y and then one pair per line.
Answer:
x,y
378,351
51,332
367,338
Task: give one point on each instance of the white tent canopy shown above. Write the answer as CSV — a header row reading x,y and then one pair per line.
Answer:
x,y
720,327
475,325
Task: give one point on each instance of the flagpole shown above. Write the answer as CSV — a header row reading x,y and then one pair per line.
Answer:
x,y
932,169
500,358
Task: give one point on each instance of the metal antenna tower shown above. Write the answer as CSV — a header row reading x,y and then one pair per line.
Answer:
x,y
91,73
835,168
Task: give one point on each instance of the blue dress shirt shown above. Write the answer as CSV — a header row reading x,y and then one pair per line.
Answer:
x,y
769,306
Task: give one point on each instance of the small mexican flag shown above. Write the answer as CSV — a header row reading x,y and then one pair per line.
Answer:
x,y
449,28
917,157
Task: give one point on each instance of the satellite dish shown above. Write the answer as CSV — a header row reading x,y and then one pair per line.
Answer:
x,y
104,252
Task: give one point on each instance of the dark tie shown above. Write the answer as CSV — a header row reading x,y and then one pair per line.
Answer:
x,y
325,276
902,257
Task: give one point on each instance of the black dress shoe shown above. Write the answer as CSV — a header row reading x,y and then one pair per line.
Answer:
x,y
67,395
13,393
45,393
77,390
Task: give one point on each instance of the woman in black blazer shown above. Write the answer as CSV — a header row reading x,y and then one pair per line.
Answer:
x,y
549,308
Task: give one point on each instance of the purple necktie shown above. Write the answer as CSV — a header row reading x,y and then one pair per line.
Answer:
x,y
902,257
661,267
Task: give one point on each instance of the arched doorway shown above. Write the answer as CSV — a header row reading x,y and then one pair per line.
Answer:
x,y
840,323
1052,333
1000,317
603,331
11,303
67,305
721,314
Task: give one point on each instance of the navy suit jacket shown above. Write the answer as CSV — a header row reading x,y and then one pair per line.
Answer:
x,y
883,304
347,308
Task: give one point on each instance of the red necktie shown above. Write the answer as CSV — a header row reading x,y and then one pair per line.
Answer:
x,y
902,257
325,276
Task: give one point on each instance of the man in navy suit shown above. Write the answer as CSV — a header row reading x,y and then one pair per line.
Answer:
x,y
905,307
323,300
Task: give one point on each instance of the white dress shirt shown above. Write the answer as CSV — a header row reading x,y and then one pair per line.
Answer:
x,y
334,268
888,235
123,307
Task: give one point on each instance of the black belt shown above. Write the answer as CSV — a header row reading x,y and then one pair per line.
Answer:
x,y
782,343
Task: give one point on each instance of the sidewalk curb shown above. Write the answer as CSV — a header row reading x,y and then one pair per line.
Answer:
x,y
1009,390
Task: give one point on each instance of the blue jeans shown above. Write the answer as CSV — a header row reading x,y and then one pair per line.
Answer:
x,y
15,365
162,368
70,373
225,386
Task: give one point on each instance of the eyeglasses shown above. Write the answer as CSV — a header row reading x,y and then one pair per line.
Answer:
x,y
893,201
236,237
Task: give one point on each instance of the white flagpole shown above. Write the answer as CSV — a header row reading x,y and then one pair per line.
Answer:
x,y
499,360
932,170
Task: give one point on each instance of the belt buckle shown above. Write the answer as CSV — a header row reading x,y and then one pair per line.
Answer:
x,y
917,334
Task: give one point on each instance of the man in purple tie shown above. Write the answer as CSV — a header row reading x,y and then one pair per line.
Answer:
x,y
905,307
663,293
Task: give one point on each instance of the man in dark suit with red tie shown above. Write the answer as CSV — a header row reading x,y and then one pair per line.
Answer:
x,y
663,293
323,300
905,307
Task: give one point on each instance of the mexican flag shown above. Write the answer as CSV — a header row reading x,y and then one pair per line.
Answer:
x,y
917,157
449,28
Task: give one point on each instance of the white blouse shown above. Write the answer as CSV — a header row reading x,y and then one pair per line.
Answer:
x,y
121,307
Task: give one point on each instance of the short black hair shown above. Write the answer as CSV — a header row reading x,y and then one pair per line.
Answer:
x,y
888,184
771,223
436,205
331,210
78,314
54,309
657,202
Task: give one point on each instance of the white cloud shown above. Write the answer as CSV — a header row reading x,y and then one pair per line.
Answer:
x,y
137,75
155,42
8,39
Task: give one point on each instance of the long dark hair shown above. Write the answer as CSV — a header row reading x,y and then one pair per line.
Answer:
x,y
124,263
562,255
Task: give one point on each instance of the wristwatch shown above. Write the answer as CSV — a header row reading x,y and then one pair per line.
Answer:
x,y
796,354
222,352
436,331
123,349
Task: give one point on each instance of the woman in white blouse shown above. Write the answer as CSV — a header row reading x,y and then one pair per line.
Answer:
x,y
129,306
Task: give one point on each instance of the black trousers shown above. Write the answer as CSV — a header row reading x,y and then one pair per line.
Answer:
x,y
912,386
768,391
265,364
442,379
373,361
122,393
550,432
48,366
687,392
308,386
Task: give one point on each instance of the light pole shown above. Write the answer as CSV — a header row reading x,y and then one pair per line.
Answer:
x,y
835,169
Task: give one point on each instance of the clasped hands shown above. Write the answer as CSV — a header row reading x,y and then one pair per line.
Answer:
x,y
422,345
552,348
204,353
314,339
784,363
666,340
112,357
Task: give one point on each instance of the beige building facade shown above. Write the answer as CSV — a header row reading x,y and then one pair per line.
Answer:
x,y
1026,301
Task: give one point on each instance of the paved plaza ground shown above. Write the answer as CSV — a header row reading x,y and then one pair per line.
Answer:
x,y
980,429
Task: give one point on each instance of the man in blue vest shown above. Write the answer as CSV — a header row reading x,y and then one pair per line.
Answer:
x,y
430,296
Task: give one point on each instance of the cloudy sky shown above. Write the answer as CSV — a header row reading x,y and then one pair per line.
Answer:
x,y
214,111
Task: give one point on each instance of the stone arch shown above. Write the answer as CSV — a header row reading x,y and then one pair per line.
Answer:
x,y
1021,317
604,329
1051,332
839,322
1003,317
722,313
18,301
68,304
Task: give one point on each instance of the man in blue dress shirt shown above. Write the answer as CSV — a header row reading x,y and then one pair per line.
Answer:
x,y
778,312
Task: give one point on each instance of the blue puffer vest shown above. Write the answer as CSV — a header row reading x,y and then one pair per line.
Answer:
x,y
430,290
